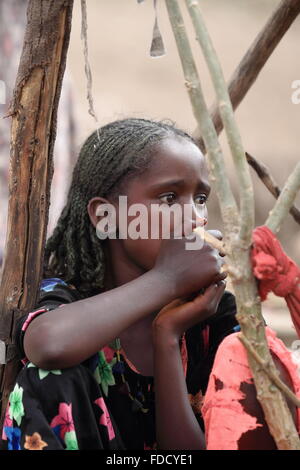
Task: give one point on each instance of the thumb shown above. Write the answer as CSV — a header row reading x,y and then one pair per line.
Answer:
x,y
212,296
201,307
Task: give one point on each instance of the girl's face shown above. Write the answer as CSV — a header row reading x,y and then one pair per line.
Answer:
x,y
177,175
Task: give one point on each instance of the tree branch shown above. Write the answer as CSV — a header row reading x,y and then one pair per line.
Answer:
x,y
285,201
264,174
255,58
215,159
265,366
228,119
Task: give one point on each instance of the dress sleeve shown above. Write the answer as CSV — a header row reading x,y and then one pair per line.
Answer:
x,y
54,293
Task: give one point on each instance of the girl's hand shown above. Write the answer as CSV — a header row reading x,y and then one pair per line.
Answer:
x,y
180,315
188,271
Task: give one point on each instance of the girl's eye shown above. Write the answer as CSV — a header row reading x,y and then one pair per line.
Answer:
x,y
201,199
168,198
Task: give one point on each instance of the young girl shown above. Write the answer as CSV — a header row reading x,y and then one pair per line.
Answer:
x,y
119,350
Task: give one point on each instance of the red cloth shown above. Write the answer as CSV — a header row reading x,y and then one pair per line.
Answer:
x,y
275,271
225,418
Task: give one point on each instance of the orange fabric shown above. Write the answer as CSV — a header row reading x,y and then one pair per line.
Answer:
x,y
275,271
224,417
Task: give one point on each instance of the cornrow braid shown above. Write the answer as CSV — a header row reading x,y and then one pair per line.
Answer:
x,y
109,157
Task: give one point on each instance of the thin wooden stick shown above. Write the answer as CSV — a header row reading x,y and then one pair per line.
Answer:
x,y
285,201
228,119
255,58
209,238
216,163
265,366
264,174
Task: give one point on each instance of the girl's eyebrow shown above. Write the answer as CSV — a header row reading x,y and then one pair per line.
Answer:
x,y
203,185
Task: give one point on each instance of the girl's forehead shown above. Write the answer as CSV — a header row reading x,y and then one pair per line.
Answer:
x,y
178,157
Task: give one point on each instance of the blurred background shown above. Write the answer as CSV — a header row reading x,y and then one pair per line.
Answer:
x,y
127,82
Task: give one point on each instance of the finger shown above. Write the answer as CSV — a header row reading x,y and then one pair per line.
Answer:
x,y
220,291
216,233
221,260
207,303
220,277
212,296
203,306
215,289
218,296
208,295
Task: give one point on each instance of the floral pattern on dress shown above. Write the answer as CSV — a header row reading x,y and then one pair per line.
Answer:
x,y
105,418
64,420
34,442
8,423
44,373
13,437
16,408
105,377
68,409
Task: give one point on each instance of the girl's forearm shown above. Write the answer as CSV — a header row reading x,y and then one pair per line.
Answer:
x,y
176,424
66,336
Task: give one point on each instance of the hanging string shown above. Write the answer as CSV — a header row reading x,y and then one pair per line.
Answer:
x,y
87,67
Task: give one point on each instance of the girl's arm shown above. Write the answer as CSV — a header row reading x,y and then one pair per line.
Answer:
x,y
176,424
70,334
67,336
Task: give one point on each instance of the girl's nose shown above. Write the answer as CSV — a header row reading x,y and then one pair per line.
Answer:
x,y
194,217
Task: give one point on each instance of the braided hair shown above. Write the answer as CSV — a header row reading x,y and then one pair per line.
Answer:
x,y
109,157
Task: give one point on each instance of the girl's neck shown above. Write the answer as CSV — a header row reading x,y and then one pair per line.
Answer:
x,y
136,340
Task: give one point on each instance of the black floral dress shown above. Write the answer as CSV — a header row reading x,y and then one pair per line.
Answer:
x,y
103,403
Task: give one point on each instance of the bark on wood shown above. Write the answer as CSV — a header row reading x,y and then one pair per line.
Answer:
x,y
255,58
33,110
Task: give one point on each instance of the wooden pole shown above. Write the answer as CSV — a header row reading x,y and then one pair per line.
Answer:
x,y
34,112
255,58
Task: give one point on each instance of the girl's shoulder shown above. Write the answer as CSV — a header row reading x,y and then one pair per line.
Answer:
x,y
53,293
56,289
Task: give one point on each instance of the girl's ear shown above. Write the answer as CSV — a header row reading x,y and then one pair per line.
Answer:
x,y
93,209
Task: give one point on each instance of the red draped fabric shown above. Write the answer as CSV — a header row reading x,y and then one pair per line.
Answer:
x,y
275,271
226,420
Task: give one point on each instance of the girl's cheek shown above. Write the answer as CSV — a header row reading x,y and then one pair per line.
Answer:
x,y
143,252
